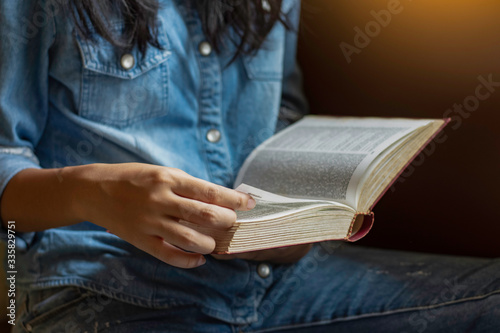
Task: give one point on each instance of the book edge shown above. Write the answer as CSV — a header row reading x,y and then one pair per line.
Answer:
x,y
369,218
446,121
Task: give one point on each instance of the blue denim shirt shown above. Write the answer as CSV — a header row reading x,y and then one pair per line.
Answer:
x,y
68,101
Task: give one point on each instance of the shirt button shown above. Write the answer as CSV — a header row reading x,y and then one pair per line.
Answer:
x,y
263,270
205,48
127,61
213,135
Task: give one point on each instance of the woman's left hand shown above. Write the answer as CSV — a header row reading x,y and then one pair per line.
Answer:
x,y
281,255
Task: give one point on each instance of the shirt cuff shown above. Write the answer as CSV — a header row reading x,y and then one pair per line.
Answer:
x,y
12,161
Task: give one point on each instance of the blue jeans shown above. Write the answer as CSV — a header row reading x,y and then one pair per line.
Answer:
x,y
344,288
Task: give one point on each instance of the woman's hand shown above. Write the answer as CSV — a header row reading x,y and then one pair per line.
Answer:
x,y
142,204
282,255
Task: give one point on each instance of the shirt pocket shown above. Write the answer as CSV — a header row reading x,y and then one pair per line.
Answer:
x,y
122,88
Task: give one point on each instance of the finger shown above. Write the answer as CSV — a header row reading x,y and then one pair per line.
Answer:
x,y
185,238
203,214
202,190
169,254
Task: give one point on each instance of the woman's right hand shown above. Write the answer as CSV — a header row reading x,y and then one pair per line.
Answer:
x,y
143,204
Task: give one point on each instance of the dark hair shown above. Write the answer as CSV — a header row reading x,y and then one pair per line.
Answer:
x,y
252,20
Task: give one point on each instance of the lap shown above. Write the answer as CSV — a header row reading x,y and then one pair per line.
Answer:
x,y
385,290
342,289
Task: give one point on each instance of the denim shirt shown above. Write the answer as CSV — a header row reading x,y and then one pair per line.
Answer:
x,y
65,100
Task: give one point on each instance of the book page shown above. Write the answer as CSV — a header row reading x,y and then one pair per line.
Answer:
x,y
323,157
271,206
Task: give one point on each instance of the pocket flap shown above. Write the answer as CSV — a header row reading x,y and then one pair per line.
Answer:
x,y
100,56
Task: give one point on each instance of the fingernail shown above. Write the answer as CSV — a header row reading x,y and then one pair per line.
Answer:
x,y
202,261
251,203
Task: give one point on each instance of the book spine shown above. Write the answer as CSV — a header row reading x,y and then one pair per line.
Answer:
x,y
366,225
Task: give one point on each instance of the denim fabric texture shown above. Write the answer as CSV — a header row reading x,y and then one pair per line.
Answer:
x,y
65,101
335,288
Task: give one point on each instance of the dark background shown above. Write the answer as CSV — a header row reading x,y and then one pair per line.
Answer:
x,y
426,59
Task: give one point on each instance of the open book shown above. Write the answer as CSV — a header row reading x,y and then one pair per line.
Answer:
x,y
319,179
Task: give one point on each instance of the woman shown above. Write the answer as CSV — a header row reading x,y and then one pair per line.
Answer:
x,y
131,115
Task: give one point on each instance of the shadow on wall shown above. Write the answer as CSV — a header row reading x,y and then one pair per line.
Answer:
x,y
419,59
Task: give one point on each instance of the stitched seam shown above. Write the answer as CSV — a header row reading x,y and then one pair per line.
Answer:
x,y
20,151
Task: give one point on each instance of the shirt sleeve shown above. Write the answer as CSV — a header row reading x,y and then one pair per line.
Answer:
x,y
293,101
26,33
